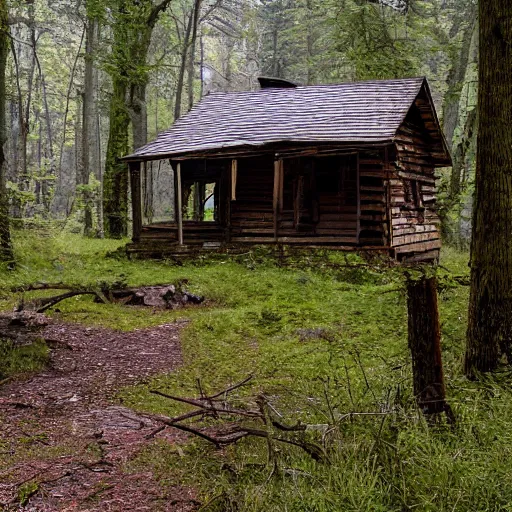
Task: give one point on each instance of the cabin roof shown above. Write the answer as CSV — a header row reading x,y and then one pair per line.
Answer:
x,y
352,112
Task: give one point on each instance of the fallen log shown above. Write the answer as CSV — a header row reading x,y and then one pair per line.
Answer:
x,y
22,327
168,296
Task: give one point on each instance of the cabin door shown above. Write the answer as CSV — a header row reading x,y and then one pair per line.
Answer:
x,y
299,211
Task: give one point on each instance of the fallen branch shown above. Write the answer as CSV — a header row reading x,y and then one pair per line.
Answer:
x,y
167,296
45,304
41,286
212,406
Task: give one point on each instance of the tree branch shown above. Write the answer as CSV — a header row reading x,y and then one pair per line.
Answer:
x,y
155,12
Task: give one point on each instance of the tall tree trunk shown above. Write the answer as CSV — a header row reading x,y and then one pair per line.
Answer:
x,y
24,175
132,37
138,114
89,142
489,333
18,135
50,172
456,75
183,67
115,179
6,254
460,155
451,108
201,65
309,43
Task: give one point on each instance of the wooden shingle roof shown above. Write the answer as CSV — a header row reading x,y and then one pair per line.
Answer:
x,y
354,112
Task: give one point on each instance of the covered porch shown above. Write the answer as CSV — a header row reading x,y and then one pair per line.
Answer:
x,y
313,197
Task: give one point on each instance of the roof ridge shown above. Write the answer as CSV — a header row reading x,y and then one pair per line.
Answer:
x,y
290,90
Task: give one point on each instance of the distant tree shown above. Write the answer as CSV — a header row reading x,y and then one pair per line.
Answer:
x,y
489,334
6,253
133,25
90,143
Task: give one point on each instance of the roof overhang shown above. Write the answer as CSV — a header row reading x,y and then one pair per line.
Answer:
x,y
278,149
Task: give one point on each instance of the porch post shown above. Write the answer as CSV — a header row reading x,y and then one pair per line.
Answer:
x,y
278,171
358,185
178,196
136,200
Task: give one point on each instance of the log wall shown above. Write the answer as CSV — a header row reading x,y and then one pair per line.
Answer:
x,y
415,223
372,197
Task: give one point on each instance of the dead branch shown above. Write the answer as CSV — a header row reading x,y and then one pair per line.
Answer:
x,y
204,404
212,406
168,296
45,304
231,388
41,286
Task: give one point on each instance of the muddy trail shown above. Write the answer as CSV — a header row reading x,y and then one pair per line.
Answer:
x,y
64,440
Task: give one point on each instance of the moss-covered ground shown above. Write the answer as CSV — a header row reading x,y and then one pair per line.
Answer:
x,y
323,335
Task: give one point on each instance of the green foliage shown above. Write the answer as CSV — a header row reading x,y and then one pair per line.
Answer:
x,y
322,334
26,491
18,360
15,194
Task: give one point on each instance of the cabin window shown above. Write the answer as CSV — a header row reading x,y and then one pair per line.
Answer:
x,y
200,201
412,194
414,199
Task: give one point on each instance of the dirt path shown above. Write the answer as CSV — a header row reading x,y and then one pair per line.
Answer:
x,y
64,442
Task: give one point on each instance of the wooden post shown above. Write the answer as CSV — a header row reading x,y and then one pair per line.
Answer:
x,y
177,202
424,335
230,195
358,200
278,168
136,200
389,214
234,173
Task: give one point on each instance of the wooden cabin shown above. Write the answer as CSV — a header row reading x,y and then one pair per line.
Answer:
x,y
346,166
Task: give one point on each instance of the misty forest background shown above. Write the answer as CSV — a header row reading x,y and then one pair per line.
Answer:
x,y
87,82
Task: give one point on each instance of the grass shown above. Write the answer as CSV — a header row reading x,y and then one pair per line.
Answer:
x,y
16,361
263,319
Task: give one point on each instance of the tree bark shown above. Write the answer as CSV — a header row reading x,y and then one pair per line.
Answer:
x,y
192,53
460,62
90,135
183,66
425,344
45,189
132,37
115,180
6,253
489,332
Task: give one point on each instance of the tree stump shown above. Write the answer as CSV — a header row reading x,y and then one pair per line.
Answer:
x,y
425,345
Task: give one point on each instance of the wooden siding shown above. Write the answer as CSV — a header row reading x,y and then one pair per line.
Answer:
x,y
415,223
372,195
328,217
